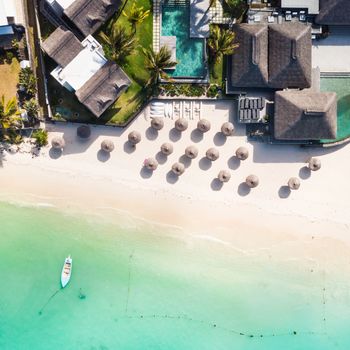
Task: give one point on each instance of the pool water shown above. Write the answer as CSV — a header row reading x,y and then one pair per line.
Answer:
x,y
189,51
340,85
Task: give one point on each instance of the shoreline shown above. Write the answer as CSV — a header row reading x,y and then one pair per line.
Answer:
x,y
82,179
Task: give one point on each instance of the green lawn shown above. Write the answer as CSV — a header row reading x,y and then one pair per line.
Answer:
x,y
66,104
217,72
134,97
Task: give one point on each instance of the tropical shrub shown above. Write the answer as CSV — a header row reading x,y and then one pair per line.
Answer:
x,y
32,107
28,81
41,137
213,91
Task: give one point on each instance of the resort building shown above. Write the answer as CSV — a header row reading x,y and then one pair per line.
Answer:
x,y
11,22
271,56
310,7
334,13
305,115
85,15
83,69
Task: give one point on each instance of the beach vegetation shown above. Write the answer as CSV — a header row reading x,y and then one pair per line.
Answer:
x,y
118,43
9,76
32,107
221,43
41,137
27,81
235,8
157,63
8,113
136,14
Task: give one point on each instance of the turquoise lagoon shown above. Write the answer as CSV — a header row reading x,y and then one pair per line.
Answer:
x,y
140,286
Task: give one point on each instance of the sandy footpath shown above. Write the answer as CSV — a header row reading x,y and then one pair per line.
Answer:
x,y
84,178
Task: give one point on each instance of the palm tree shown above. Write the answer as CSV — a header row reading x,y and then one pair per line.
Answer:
x,y
157,63
8,113
212,3
136,15
119,42
221,43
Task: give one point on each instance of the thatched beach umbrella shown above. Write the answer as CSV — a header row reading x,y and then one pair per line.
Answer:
x,y
58,143
181,124
203,125
178,168
242,153
227,129
212,154
191,152
107,146
314,164
294,183
166,148
224,176
84,131
151,164
134,137
252,181
157,123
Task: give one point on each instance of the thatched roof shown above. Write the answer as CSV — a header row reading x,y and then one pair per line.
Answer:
x,y
334,12
290,55
89,15
250,60
62,46
276,56
305,115
103,88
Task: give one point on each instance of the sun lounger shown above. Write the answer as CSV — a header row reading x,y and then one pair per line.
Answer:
x,y
246,103
241,114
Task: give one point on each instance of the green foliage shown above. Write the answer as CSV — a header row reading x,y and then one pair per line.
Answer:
x,y
221,43
41,137
118,43
28,81
213,91
12,136
136,15
9,57
189,90
32,107
8,113
157,63
235,8
15,44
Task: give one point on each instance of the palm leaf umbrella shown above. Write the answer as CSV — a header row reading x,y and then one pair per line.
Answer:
x,y
157,123
181,124
294,183
167,148
242,153
314,164
178,168
212,154
107,146
151,164
191,152
134,137
224,176
227,129
84,131
203,125
58,143
252,181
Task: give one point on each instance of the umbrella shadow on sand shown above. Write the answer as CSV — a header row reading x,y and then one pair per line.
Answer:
x,y
151,133
243,189
174,135
205,163
216,184
219,139
284,192
103,156
304,173
146,173
55,153
129,147
171,177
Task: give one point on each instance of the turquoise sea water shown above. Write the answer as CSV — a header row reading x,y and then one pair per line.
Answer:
x,y
189,52
340,85
145,288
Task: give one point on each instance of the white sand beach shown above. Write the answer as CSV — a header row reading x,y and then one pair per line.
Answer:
x,y
84,178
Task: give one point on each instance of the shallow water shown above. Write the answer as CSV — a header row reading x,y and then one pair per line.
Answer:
x,y
138,286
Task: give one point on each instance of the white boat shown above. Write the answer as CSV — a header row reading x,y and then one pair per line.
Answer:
x,y
66,271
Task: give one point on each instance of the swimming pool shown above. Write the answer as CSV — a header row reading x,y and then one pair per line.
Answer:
x,y
340,85
189,52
